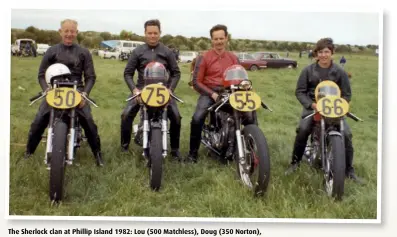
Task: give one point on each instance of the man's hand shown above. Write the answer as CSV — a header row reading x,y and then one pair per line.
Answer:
x,y
136,91
214,96
82,102
314,107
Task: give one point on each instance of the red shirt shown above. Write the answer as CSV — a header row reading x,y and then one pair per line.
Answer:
x,y
211,71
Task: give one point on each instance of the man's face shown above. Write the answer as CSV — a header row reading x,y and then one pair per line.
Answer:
x,y
324,56
152,35
219,40
68,32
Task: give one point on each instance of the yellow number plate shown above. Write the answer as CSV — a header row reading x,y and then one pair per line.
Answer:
x,y
245,101
155,95
63,98
333,106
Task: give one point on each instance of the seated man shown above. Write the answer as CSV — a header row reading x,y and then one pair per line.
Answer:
x,y
209,83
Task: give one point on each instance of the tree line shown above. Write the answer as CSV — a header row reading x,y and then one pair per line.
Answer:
x,y
92,40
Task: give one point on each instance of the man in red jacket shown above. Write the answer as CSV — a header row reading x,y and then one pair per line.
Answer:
x,y
210,83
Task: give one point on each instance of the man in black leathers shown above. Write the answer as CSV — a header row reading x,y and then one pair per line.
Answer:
x,y
79,61
323,69
153,50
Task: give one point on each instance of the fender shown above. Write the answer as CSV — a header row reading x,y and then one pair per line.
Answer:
x,y
155,124
334,133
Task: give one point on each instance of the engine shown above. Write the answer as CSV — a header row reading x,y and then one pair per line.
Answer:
x,y
219,139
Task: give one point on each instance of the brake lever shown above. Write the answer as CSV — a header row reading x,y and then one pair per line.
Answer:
x,y
85,97
133,97
175,97
39,98
265,106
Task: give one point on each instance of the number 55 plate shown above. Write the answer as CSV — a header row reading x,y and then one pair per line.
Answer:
x,y
245,101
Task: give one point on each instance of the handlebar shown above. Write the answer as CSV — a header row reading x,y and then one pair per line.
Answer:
x,y
36,96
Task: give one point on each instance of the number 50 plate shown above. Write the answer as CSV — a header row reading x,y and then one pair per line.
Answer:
x,y
245,101
63,98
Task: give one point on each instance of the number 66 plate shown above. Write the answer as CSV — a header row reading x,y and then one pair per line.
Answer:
x,y
332,106
245,101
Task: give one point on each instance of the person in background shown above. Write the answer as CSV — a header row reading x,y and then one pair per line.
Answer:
x,y
342,61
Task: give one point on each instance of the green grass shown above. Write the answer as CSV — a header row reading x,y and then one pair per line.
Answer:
x,y
205,189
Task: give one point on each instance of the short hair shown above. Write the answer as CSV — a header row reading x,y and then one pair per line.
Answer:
x,y
218,27
70,21
153,22
324,43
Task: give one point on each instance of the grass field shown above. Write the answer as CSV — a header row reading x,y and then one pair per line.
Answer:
x,y
205,189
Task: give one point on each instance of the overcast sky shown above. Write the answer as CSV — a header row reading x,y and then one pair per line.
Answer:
x,y
344,28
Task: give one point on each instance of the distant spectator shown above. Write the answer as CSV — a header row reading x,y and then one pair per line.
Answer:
x,y
287,53
342,61
300,54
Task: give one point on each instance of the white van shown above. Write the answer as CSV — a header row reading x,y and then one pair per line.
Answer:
x,y
127,46
42,48
187,56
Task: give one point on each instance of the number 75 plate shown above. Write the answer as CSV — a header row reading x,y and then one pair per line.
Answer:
x,y
245,101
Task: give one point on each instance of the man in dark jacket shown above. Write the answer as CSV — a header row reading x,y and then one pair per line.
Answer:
x,y
311,76
79,61
153,50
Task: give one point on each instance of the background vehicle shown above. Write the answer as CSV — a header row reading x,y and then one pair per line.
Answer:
x,y
187,56
274,60
249,62
42,48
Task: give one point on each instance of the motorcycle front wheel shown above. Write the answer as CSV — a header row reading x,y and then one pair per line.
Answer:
x,y
255,171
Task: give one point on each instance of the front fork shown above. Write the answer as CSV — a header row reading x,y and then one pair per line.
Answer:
x,y
49,139
164,131
239,138
145,130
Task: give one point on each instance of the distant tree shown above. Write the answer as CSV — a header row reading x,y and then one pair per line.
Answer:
x,y
106,36
80,37
125,35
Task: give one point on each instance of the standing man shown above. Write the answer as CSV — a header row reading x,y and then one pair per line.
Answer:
x,y
342,61
209,83
151,51
79,61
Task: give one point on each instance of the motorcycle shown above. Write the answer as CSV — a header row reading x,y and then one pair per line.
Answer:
x,y
124,56
224,127
64,133
326,147
151,134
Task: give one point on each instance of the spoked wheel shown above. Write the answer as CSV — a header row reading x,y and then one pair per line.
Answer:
x,y
57,163
254,170
156,159
334,177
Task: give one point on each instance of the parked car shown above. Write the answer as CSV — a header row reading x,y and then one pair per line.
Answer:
x,y
275,61
42,48
187,56
112,53
249,62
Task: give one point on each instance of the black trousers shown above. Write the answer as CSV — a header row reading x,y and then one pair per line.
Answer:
x,y
303,132
41,121
129,113
198,119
